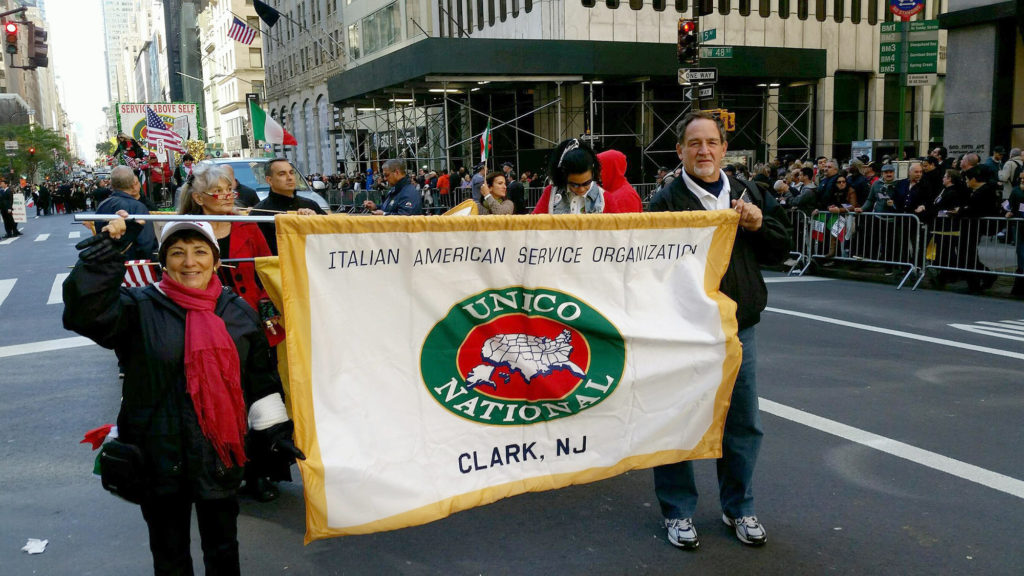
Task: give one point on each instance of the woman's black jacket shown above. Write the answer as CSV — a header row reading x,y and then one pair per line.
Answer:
x,y
147,331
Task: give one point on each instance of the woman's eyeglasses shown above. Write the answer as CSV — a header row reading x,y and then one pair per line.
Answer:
x,y
579,185
222,194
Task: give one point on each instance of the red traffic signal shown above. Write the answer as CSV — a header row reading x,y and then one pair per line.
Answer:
x,y
688,47
11,35
32,151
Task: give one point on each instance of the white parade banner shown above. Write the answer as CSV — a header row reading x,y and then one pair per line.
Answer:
x,y
438,364
181,117
18,210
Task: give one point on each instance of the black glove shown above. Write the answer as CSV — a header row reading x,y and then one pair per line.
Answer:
x,y
102,247
280,439
98,248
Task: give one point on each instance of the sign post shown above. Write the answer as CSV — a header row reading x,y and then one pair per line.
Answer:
x,y
904,9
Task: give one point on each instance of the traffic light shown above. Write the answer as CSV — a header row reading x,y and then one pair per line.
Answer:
x,y
35,38
11,33
31,152
688,46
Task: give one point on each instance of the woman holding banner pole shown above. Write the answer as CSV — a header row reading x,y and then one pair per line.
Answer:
x,y
197,378
209,191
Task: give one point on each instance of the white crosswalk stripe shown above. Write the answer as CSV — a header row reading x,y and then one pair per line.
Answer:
x,y
1009,329
56,293
75,234
42,237
8,241
5,288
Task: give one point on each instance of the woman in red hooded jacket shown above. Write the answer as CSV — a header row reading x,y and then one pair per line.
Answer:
x,y
619,195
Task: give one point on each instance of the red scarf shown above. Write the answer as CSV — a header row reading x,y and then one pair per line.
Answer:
x,y
212,373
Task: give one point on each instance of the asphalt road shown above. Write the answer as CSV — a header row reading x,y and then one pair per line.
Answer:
x,y
893,446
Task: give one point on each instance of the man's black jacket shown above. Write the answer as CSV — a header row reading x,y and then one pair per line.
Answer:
x,y
770,245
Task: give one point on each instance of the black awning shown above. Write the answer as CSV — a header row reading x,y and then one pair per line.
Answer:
x,y
521,59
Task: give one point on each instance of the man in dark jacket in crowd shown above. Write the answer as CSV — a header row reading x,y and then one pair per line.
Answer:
x,y
247,197
7,210
762,238
127,190
403,199
280,174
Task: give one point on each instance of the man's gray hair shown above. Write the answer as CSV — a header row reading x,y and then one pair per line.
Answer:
x,y
122,178
394,165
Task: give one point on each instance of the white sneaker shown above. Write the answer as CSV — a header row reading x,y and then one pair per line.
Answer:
x,y
681,533
748,529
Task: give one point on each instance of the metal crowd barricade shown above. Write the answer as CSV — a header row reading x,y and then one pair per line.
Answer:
x,y
800,240
976,246
882,238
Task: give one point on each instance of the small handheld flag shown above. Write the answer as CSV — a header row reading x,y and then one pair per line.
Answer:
x,y
486,143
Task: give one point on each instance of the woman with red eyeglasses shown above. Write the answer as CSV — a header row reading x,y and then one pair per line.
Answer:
x,y
209,191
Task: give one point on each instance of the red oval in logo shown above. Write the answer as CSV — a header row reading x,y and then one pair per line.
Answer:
x,y
523,338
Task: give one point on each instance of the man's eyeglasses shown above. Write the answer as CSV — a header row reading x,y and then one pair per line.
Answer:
x,y
221,194
579,185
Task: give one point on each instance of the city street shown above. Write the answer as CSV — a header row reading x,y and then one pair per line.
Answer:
x,y
893,434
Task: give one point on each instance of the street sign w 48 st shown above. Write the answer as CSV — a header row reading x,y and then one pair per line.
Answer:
x,y
697,75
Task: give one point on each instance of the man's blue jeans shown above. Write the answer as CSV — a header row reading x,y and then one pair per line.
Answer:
x,y
674,484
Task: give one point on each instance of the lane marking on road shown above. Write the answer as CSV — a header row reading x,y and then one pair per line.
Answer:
x,y
42,237
782,279
5,289
968,472
56,294
8,241
1009,329
45,346
73,235
901,334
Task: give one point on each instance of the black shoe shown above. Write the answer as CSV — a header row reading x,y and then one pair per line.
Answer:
x,y
262,490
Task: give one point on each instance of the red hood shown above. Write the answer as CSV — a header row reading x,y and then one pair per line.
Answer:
x,y
613,169
619,195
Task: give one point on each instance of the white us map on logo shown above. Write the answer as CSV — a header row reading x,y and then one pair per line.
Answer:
x,y
523,353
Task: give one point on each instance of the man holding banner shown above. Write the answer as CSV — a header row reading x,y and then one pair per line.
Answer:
x,y
762,238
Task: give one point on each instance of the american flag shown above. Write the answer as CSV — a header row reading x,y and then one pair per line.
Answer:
x,y
241,32
139,273
157,131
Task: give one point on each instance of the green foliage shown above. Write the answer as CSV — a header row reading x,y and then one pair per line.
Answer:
x,y
104,149
50,152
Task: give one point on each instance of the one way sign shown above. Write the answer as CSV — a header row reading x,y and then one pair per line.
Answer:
x,y
698,75
700,93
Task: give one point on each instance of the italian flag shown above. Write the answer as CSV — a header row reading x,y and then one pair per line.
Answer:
x,y
485,143
267,129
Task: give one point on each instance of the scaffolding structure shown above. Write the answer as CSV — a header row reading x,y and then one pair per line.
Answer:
x,y
439,125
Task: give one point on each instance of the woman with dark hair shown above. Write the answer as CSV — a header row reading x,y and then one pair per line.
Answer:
x,y
198,377
493,195
575,175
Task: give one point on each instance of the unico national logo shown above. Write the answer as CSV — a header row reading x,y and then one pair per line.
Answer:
x,y
517,356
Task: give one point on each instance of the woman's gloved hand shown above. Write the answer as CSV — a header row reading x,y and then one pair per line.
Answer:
x,y
279,437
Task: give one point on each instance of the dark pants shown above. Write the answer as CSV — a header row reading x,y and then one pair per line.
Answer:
x,y
741,441
170,520
10,226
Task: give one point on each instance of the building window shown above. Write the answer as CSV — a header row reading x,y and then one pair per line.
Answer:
x,y
850,102
891,114
353,41
381,29
937,116
413,21
255,58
